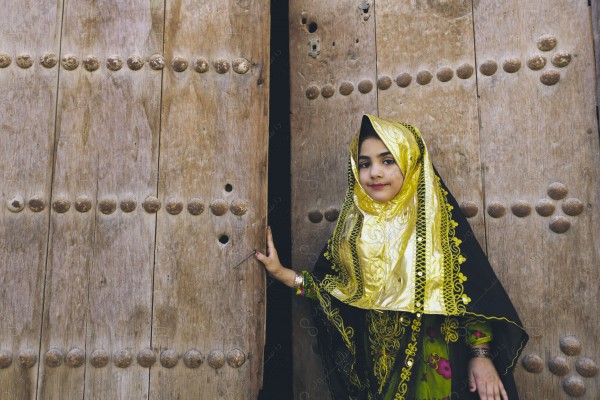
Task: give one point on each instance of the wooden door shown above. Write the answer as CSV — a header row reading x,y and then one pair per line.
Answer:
x,y
504,95
134,149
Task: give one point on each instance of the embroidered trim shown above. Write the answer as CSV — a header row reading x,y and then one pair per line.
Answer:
x,y
449,329
409,362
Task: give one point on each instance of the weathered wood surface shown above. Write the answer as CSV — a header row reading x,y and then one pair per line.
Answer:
x,y
209,296
595,17
100,263
539,143
432,43
27,113
340,40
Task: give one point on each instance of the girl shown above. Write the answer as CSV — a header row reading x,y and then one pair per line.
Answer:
x,y
405,300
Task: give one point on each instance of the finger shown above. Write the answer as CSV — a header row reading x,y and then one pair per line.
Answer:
x,y
261,257
472,385
482,391
503,392
496,392
270,244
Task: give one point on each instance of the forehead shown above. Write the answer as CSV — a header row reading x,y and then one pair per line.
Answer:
x,y
372,146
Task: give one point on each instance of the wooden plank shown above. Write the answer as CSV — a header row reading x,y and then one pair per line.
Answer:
x,y
595,17
441,96
331,51
99,277
32,28
209,295
537,141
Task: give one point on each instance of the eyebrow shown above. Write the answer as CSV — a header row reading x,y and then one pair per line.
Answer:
x,y
385,153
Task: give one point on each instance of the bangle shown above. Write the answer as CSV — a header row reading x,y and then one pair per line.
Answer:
x,y
480,352
298,280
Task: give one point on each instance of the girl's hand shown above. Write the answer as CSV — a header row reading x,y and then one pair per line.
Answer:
x,y
484,379
273,265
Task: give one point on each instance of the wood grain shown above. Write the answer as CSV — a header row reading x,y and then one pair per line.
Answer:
x,y
27,114
534,135
208,294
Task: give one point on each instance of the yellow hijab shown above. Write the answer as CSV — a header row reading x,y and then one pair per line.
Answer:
x,y
402,254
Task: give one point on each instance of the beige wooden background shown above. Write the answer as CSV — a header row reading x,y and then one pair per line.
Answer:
x,y
133,151
504,95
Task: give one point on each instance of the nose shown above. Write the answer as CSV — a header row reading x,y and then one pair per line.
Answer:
x,y
376,170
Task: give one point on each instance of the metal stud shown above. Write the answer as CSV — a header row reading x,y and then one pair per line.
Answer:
x,y
179,64
424,77
511,65
174,206
37,203
384,82
135,62
61,205
99,358
544,207
192,358
570,345
6,358
5,60
346,88
445,74
216,359
312,92
241,65
546,42
27,358
114,63
327,90
16,204
221,65
586,367
536,62
122,358
403,80
219,207
572,206
238,207
195,206
169,358
469,208
151,204
146,358
533,363
24,60
201,65
156,62
83,203
574,386
54,357
107,206
315,216
557,191
496,209
331,214
465,71
558,366
561,59
365,86
236,358
521,208
91,63
550,77
488,67
69,62
49,60
75,358
128,205
559,224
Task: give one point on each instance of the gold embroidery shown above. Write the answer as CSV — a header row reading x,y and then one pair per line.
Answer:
x,y
449,329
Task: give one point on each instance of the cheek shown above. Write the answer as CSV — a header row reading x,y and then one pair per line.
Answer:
x,y
363,175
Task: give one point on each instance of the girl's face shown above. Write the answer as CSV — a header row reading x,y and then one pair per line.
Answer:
x,y
378,172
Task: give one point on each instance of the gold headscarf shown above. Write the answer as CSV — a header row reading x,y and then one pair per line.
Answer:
x,y
401,254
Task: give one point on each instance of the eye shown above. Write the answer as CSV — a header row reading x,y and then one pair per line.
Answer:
x,y
389,161
362,165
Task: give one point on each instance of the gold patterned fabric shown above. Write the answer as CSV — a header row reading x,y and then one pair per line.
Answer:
x,y
401,255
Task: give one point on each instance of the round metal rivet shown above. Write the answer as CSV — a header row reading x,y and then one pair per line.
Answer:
x,y
174,206
365,86
546,42
586,367
241,65
169,358
61,205
572,207
445,74
561,59
559,224
221,65
91,63
536,62
54,357
151,204
69,62
315,216
99,358
16,204
24,61
236,358
128,205
403,80
469,208
238,207
574,386
533,363
216,359
49,60
544,207
488,67
5,60
312,92
156,62
424,77
114,63
346,88
521,208
327,91
570,345
107,206
384,82
5,358
75,358
219,207
201,65
135,62
192,358
83,203
496,209
557,191
550,77
558,366
179,64
36,204
331,214
465,71
146,358
511,65
195,206
122,358
27,358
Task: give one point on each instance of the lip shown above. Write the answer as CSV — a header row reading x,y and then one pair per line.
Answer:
x,y
377,185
